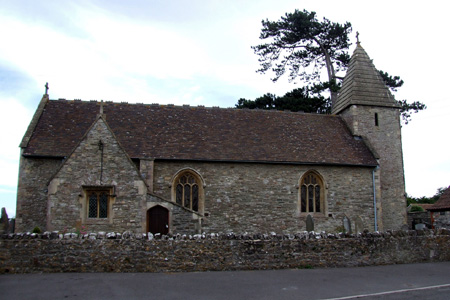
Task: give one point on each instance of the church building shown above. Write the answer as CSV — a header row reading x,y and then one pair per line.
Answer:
x,y
106,166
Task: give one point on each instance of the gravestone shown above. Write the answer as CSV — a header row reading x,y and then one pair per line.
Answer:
x,y
4,222
347,225
359,226
309,223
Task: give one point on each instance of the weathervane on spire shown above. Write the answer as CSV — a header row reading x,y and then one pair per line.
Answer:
x,y
357,37
46,88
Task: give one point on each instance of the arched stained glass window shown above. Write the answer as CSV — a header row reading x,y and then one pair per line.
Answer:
x,y
187,191
311,193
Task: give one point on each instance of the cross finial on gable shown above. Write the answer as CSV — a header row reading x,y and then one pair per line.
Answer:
x,y
46,88
357,37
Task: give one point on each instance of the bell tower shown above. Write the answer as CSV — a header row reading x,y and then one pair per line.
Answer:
x,y
371,112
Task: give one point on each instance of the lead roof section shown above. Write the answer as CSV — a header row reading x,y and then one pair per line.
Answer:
x,y
363,85
198,133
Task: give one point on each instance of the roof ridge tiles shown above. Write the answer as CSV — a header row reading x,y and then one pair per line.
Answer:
x,y
185,106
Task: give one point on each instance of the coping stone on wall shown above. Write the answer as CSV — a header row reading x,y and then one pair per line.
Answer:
x,y
305,235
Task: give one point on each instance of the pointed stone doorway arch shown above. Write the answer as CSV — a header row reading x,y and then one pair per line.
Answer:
x,y
158,220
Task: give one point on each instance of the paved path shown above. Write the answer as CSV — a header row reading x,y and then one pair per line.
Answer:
x,y
414,281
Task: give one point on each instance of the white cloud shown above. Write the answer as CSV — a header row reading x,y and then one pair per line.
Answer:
x,y
116,50
425,149
14,119
142,49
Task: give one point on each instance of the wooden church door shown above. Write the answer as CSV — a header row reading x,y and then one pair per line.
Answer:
x,y
158,220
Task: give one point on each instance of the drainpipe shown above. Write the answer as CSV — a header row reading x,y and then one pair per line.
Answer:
x,y
374,197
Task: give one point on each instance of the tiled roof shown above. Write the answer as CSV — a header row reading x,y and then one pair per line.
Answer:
x,y
425,206
443,202
363,85
199,133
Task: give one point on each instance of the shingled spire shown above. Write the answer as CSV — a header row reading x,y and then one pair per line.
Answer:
x,y
363,85
371,112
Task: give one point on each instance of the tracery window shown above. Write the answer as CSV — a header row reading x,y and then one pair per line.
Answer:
x,y
98,203
311,193
188,191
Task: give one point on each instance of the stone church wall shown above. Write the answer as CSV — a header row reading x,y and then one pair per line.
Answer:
x,y
90,167
31,253
238,196
184,222
34,175
181,221
249,197
385,139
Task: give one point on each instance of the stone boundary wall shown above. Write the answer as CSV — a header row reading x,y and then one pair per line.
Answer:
x,y
128,252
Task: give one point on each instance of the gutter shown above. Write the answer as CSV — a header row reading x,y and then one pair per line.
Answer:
x,y
375,198
269,162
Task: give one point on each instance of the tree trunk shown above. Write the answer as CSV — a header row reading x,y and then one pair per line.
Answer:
x,y
330,71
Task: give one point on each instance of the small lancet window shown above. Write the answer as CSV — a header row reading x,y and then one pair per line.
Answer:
x,y
376,119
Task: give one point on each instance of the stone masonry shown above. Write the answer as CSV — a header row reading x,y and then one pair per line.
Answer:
x,y
126,252
257,197
385,139
34,176
88,167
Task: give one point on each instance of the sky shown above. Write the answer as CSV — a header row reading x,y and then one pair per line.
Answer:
x,y
198,52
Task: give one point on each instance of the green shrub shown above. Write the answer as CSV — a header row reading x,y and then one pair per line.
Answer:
x,y
36,230
416,208
306,267
340,229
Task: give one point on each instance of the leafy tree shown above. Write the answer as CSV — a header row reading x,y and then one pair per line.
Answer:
x,y
300,99
266,101
303,46
304,99
393,83
416,208
426,200
409,108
